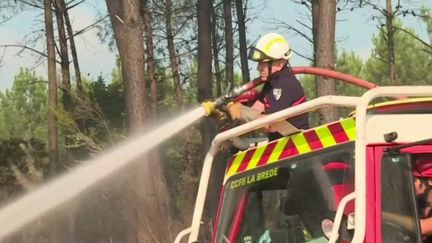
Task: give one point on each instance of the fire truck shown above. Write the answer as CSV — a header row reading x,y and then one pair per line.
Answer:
x,y
346,181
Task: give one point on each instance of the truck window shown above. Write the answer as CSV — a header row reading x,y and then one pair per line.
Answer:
x,y
399,206
288,200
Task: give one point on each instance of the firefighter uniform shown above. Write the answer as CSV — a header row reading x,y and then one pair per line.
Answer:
x,y
283,90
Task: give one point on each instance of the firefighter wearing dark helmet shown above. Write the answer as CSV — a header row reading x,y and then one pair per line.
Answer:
x,y
281,88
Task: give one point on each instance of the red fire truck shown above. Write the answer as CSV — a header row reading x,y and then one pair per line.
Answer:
x,y
346,181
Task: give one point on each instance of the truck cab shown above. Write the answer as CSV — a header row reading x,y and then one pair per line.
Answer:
x,y
347,181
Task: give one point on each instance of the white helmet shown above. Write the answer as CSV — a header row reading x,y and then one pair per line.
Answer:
x,y
270,47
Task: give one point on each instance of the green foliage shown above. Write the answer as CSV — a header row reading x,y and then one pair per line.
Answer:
x,y
12,153
347,63
110,98
182,156
182,153
23,109
426,15
308,83
166,93
351,64
98,118
309,86
413,64
191,84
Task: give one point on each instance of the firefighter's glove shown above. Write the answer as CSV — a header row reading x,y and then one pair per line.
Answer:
x,y
220,115
233,109
238,111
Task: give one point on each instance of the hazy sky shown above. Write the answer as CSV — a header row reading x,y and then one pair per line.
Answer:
x,y
354,32
94,56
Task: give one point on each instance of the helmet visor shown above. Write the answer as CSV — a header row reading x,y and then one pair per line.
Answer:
x,y
257,55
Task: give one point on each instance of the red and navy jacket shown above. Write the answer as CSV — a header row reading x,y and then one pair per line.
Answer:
x,y
283,90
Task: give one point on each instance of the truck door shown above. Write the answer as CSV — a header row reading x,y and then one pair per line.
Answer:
x,y
399,218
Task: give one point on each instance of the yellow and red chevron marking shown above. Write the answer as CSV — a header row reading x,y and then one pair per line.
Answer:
x,y
324,136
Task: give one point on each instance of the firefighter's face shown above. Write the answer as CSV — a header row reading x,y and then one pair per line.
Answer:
x,y
267,68
419,187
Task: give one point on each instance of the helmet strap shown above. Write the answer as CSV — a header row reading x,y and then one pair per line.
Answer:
x,y
269,67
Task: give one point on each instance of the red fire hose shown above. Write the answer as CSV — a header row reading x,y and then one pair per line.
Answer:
x,y
334,75
209,106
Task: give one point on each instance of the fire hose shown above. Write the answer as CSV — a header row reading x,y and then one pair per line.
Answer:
x,y
211,105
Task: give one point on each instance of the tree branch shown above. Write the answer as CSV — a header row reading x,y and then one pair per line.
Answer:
x,y
30,4
21,178
90,26
26,48
301,33
305,3
415,37
304,25
35,175
301,55
376,7
74,5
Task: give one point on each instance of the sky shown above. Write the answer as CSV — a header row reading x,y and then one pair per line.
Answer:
x,y
94,56
353,33
354,29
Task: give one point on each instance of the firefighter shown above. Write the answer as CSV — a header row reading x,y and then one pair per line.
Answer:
x,y
423,187
281,88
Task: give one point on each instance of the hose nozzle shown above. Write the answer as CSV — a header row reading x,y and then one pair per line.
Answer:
x,y
209,106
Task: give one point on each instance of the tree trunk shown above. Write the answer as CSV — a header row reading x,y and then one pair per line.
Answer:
x,y
64,60
61,13
52,87
326,54
215,41
148,207
208,129
149,61
78,82
72,47
390,44
204,68
229,42
52,106
315,18
242,41
172,54
162,197
204,51
64,56
126,22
